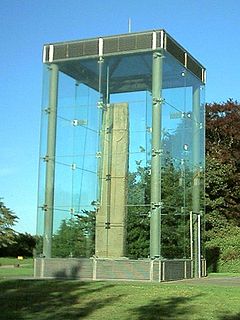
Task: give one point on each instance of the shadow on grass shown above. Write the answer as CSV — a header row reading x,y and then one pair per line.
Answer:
x,y
52,299
165,309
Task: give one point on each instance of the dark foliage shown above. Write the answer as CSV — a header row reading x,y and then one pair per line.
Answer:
x,y
75,237
23,245
7,220
222,182
175,220
223,158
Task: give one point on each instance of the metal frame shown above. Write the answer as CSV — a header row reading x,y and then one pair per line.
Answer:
x,y
50,161
155,223
59,57
123,44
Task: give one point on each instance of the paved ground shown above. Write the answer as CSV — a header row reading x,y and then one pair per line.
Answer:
x,y
218,281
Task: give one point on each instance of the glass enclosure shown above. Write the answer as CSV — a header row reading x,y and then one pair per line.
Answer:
x,y
99,159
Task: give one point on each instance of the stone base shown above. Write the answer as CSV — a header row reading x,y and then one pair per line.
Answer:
x,y
114,269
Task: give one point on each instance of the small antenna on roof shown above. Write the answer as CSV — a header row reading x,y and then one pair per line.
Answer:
x,y
129,25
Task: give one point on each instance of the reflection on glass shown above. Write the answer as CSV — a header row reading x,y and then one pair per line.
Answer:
x,y
84,96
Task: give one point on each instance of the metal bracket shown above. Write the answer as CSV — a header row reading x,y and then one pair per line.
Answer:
x,y
158,100
95,203
98,154
107,225
101,60
157,152
47,110
109,129
45,207
157,54
73,166
186,115
101,105
79,122
46,158
156,205
108,177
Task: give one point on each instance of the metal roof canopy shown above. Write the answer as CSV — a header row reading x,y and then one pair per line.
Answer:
x,y
128,58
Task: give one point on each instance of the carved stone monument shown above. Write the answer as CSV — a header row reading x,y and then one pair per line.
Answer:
x,y
113,171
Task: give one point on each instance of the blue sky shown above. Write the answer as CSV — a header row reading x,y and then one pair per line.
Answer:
x,y
209,29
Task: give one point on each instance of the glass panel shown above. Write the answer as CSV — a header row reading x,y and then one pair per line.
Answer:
x,y
104,124
180,129
75,161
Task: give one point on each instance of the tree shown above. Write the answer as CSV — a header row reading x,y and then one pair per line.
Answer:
x,y
223,160
176,195
138,219
7,220
76,236
175,220
222,192
222,180
23,245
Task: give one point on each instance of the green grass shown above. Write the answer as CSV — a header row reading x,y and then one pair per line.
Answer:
x,y
223,274
14,261
54,299
8,267
15,272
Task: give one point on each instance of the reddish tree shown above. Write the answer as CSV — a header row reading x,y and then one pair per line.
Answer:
x,y
223,158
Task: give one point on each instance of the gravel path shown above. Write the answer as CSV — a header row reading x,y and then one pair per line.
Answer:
x,y
218,281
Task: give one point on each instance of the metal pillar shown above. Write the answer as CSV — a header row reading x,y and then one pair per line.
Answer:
x,y
191,241
104,169
103,105
196,181
50,160
155,223
108,129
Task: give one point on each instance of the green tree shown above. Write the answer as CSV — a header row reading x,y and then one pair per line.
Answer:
x,y
138,221
222,181
175,220
176,194
75,237
23,245
7,220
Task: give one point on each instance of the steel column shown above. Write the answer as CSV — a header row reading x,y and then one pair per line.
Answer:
x,y
155,223
50,160
196,177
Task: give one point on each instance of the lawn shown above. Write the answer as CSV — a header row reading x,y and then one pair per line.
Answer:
x,y
55,299
65,299
15,261
12,267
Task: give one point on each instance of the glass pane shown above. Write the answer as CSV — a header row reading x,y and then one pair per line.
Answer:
x,y
103,156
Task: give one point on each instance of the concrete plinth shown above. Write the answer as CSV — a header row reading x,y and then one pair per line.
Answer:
x,y
115,269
